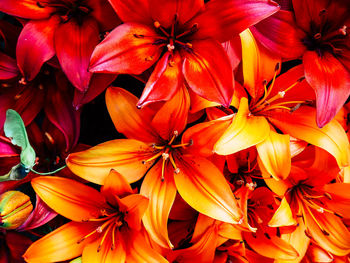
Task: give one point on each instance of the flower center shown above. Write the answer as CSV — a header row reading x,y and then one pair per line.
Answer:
x,y
110,223
323,37
266,104
165,153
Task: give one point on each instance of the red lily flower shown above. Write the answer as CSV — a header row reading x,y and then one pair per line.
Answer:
x,y
182,40
153,149
316,31
69,29
106,226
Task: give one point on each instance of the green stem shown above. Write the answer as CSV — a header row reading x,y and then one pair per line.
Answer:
x,y
48,173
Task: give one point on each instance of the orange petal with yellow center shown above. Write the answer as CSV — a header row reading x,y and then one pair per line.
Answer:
x,y
274,153
258,65
283,216
127,119
115,185
301,124
124,156
61,244
245,131
204,135
69,198
201,184
161,196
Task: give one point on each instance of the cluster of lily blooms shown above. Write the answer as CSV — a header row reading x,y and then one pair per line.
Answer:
x,y
236,151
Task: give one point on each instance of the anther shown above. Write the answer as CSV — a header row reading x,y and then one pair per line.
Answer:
x,y
343,30
317,36
176,133
189,45
321,210
264,82
98,248
40,4
301,79
328,195
267,235
277,67
325,232
22,81
165,156
150,58
156,24
99,230
177,170
139,36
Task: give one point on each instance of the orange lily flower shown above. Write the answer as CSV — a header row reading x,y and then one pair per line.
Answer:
x,y
153,149
280,107
104,227
311,206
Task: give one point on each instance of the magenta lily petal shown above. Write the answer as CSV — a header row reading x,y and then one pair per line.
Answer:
x,y
35,45
8,67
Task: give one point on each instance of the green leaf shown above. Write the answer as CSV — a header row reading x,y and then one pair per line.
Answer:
x,y
15,130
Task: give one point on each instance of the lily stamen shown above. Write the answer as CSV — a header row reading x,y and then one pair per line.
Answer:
x,y
152,158
158,26
105,235
176,169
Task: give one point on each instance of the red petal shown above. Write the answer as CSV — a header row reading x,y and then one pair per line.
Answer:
x,y
35,45
27,9
208,71
8,67
59,110
74,43
331,82
164,11
279,34
223,19
165,80
132,10
127,49
172,116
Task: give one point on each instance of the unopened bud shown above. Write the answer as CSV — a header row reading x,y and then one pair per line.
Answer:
x,y
15,207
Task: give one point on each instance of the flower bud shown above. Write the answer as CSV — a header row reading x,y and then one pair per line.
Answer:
x,y
15,207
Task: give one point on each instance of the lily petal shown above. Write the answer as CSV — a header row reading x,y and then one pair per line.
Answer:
x,y
61,244
8,67
132,10
128,49
283,215
165,80
331,82
115,185
69,198
35,45
301,124
74,55
224,19
201,184
136,206
161,194
208,71
124,155
245,131
28,9
127,119
274,153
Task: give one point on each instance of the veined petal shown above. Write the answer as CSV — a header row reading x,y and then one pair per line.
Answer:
x,y
132,10
301,124
331,82
172,116
74,44
161,194
69,198
201,184
165,80
257,64
138,250
35,45
283,216
340,194
164,11
204,135
245,131
127,119
279,34
28,9
208,71
129,49
8,67
223,19
123,155
61,244
115,185
136,206
273,247
274,153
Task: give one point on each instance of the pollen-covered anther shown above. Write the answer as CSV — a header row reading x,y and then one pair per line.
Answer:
x,y
281,94
342,30
177,170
